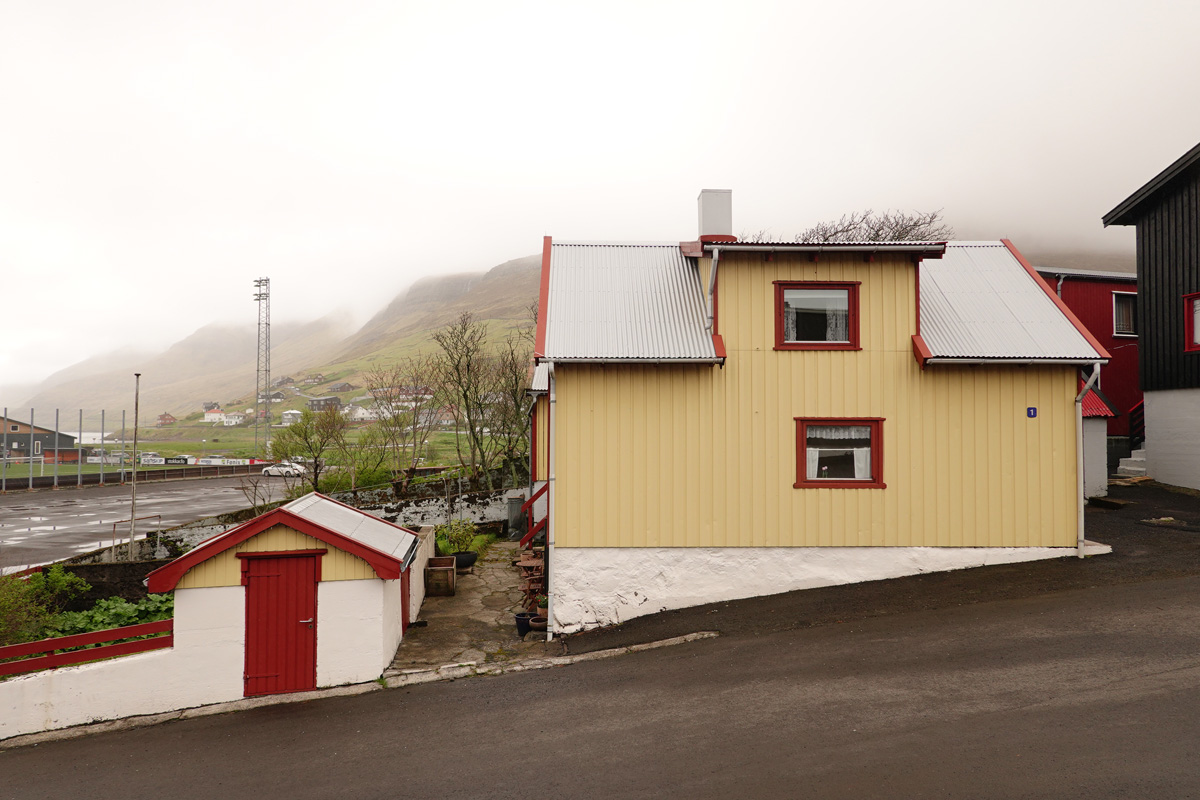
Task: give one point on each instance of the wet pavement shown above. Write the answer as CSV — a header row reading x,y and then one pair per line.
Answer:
x,y
48,525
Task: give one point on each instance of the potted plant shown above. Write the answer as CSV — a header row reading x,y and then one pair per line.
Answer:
x,y
459,533
541,606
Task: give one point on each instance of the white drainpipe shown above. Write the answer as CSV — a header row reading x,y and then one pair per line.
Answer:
x,y
712,285
549,565
1079,456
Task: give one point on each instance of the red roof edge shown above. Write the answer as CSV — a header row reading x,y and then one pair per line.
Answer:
x,y
717,238
692,249
1079,326
921,350
719,345
167,577
539,345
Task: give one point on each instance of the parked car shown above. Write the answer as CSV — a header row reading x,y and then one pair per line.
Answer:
x,y
284,469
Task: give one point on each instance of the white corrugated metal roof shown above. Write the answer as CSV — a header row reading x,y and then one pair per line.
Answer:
x,y
541,379
979,302
628,301
354,524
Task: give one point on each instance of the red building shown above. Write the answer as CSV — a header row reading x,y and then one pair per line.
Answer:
x,y
1106,303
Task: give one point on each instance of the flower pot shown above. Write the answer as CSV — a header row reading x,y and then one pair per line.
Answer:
x,y
538,624
543,611
465,560
522,618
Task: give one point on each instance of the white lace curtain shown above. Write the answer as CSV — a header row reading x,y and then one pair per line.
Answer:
x,y
840,433
837,325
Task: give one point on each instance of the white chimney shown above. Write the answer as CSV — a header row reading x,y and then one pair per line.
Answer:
x,y
716,215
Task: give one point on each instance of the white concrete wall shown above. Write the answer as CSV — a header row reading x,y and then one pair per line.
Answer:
x,y
480,507
392,625
350,635
1173,437
595,586
416,586
1095,457
205,666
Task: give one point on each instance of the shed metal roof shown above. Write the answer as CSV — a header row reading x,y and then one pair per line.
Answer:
x,y
541,379
354,524
978,302
625,301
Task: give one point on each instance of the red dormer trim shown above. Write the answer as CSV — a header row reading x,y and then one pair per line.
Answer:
x,y
539,345
715,238
1079,326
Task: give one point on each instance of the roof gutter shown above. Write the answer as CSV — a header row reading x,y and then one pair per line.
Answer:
x,y
951,360
937,249
706,360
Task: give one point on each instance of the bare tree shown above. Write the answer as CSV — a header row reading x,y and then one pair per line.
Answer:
x,y
890,226
258,490
310,439
362,454
406,404
867,226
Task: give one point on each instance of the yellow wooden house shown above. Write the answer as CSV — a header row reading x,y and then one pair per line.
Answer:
x,y
719,419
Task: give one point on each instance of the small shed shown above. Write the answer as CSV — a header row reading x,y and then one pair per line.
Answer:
x,y
313,593
1097,410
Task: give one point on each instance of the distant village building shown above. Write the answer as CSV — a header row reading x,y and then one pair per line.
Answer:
x,y
286,380
356,413
214,414
166,419
322,403
290,417
210,406
20,441
234,418
342,387
313,379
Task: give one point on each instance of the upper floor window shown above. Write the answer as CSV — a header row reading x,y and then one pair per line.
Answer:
x,y
1191,322
1124,314
812,315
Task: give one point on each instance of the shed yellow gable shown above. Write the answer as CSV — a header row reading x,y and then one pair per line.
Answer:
x,y
700,456
225,569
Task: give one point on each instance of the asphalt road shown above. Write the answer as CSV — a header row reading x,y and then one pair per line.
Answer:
x,y
43,526
1087,693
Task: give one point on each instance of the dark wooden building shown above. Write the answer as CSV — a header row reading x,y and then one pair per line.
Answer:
x,y
20,440
1166,214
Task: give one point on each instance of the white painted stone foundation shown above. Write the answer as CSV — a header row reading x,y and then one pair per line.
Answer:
x,y
1173,436
596,586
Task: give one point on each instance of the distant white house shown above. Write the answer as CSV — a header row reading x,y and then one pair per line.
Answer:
x,y
356,413
234,418
214,415
289,417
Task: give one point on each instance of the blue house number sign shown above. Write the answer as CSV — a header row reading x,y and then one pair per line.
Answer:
x,y
1031,412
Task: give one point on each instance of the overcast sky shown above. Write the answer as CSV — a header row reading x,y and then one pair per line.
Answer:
x,y
156,157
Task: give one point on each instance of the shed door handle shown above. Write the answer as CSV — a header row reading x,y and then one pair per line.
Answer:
x,y
305,620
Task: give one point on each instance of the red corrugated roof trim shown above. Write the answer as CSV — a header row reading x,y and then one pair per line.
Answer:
x,y
1096,404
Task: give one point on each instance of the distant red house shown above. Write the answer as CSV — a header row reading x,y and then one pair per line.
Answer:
x,y
1106,303
166,419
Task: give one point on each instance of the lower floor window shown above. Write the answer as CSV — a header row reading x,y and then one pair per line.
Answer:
x,y
839,453
1191,322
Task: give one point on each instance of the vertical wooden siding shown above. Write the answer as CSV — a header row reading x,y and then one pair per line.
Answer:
x,y
1168,257
689,455
541,423
225,569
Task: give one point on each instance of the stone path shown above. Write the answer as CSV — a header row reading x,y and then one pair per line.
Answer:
x,y
476,624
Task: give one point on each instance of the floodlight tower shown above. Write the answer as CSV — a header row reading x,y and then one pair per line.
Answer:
x,y
262,416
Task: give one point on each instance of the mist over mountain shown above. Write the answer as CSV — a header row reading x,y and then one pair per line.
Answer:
x,y
218,363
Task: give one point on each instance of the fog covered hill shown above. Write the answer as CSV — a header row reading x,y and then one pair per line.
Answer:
x,y
219,362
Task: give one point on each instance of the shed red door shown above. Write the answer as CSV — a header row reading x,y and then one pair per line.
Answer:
x,y
281,624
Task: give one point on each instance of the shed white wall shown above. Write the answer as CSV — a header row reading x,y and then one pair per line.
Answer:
x,y
595,586
1095,457
426,547
1173,436
205,666
350,629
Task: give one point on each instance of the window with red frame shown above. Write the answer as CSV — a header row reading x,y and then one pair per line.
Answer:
x,y
844,453
816,315
1191,322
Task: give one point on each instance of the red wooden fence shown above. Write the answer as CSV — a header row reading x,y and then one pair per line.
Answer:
x,y
46,658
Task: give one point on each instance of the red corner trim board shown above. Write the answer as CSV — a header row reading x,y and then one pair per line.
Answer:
x,y
920,349
539,345
1057,300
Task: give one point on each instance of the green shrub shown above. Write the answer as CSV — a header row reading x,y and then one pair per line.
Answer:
x,y
459,534
115,612
28,605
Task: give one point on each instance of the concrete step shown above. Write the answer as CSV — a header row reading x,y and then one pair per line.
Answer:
x,y
1134,465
